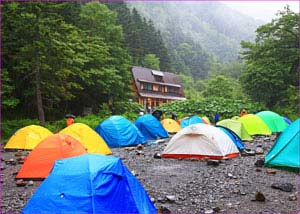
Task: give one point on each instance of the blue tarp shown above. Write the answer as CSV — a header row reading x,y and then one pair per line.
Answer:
x,y
190,121
233,136
90,183
117,131
150,127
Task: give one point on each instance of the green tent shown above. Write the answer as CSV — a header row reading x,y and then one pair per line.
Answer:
x,y
286,150
254,125
237,127
274,121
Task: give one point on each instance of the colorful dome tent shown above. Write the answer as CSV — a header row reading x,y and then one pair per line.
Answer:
x,y
200,141
287,120
90,139
40,161
190,121
285,152
117,131
206,120
235,117
170,125
237,127
90,183
254,125
233,136
273,120
27,137
150,127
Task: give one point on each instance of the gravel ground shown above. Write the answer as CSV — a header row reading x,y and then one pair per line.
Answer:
x,y
184,186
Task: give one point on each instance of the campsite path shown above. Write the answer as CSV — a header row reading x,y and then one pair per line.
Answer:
x,y
185,186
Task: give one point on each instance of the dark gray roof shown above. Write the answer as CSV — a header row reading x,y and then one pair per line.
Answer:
x,y
146,75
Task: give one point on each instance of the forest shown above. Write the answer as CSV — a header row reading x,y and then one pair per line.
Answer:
x,y
59,58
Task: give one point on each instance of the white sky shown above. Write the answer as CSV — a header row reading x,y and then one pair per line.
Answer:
x,y
263,10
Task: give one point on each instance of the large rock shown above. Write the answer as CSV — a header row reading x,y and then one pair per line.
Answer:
x,y
21,183
213,162
259,151
171,198
286,187
271,171
163,210
259,196
259,163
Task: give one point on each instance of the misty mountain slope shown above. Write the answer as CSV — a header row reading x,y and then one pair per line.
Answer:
x,y
216,27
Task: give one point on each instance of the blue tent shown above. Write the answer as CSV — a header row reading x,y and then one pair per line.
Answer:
x,y
286,150
90,183
287,120
190,121
150,127
233,136
117,131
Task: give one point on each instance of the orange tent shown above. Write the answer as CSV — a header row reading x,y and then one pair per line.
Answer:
x,y
39,162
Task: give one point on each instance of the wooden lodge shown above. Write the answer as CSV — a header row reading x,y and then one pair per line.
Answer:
x,y
153,88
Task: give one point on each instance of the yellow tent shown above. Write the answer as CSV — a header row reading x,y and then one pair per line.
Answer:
x,y
92,141
170,125
206,120
254,125
27,137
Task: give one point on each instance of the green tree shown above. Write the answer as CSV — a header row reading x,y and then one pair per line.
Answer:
x,y
272,61
40,54
7,88
221,86
230,69
108,60
54,64
192,88
141,37
151,61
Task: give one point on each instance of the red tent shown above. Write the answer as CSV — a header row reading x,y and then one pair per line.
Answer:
x,y
39,162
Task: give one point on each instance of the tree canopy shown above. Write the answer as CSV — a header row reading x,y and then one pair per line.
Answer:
x,y
272,61
52,64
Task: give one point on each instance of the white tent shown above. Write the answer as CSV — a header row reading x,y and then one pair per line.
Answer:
x,y
201,141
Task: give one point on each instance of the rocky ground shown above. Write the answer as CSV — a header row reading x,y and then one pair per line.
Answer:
x,y
185,186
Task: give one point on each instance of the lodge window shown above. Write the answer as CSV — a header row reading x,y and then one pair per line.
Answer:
x,y
158,78
157,88
172,89
147,86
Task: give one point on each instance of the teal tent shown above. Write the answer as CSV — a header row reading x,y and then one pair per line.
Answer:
x,y
90,183
286,150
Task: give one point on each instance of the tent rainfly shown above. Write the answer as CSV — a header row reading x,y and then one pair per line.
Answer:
x,y
40,161
90,183
28,137
117,131
201,141
171,125
285,152
150,127
90,139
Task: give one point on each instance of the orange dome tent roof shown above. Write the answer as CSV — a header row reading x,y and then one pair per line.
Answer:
x,y
39,162
27,137
90,139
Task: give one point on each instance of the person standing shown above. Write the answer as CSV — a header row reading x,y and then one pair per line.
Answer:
x,y
70,119
173,115
217,117
243,112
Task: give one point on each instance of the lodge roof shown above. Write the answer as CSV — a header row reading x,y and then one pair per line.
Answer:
x,y
167,79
